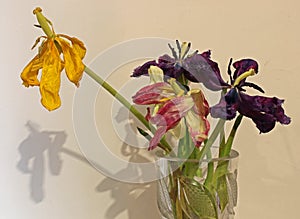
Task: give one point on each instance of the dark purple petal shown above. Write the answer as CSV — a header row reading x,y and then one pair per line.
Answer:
x,y
264,122
264,111
232,96
165,62
206,55
166,59
223,110
169,66
200,68
244,65
143,69
196,68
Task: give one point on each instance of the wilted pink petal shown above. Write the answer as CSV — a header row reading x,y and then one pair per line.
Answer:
x,y
198,127
157,136
153,94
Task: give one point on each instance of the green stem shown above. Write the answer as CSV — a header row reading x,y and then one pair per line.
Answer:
x,y
212,138
225,148
210,171
206,150
125,103
225,151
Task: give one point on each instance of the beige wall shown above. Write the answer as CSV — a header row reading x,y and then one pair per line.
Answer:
x,y
269,170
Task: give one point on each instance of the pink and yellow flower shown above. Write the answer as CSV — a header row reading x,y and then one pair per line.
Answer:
x,y
172,105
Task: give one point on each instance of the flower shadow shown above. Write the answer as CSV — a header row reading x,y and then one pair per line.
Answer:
x,y
138,200
33,151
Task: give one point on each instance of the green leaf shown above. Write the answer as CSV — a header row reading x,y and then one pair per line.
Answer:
x,y
144,133
197,201
227,191
222,192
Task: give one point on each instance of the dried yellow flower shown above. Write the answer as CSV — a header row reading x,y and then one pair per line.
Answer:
x,y
49,61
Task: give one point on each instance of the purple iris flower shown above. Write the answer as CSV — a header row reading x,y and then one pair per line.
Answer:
x,y
264,111
196,67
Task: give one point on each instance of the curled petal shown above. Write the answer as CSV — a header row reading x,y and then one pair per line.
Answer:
x,y
227,106
50,80
201,105
165,119
148,115
73,61
156,74
244,65
200,68
264,122
196,119
264,111
77,44
170,66
198,127
168,117
156,138
143,69
169,114
223,110
30,72
166,59
153,94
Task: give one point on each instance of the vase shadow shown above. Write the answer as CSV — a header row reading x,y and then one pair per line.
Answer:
x,y
138,200
33,152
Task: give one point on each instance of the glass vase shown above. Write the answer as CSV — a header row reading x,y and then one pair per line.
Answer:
x,y
193,189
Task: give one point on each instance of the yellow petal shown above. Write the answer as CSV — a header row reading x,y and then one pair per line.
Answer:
x,y
30,72
156,74
50,80
73,63
77,45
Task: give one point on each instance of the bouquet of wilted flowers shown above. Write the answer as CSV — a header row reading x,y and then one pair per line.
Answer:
x,y
175,104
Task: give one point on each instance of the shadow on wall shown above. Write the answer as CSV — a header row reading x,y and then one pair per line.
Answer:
x,y
139,200
40,146
33,151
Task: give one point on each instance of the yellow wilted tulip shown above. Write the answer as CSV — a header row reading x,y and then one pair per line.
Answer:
x,y
49,61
